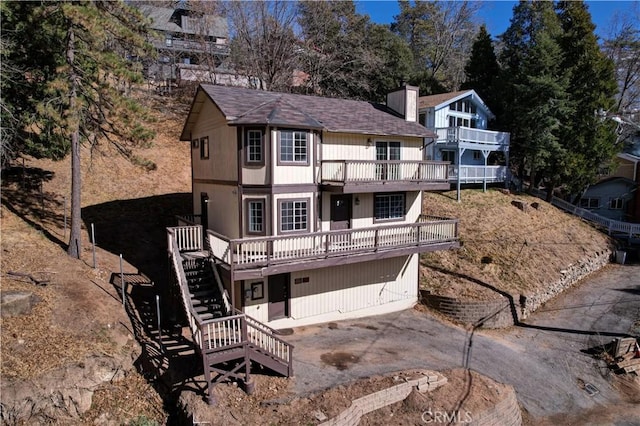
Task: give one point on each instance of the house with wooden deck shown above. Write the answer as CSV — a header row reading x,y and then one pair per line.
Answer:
x,y
460,120
306,210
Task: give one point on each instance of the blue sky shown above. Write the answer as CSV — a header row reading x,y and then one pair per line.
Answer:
x,y
496,14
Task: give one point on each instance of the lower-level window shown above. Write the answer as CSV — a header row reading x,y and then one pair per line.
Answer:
x,y
293,215
616,203
590,203
389,206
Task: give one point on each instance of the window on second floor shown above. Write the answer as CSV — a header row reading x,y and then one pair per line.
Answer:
x,y
254,147
590,203
204,147
168,40
294,215
616,204
255,216
458,122
294,147
389,206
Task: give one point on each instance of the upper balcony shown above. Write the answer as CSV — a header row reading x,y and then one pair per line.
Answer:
x,y
249,258
352,176
478,139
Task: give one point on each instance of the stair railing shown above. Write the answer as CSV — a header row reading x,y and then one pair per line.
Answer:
x,y
223,292
192,316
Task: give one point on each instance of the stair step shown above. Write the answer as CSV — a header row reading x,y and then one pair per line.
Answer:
x,y
199,294
211,315
207,308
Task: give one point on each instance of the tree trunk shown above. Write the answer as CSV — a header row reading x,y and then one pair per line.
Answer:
x,y
75,238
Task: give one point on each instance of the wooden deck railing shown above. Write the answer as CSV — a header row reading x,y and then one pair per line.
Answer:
x,y
222,333
188,238
189,219
485,139
252,252
356,171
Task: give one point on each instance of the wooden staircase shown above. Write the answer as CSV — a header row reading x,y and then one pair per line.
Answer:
x,y
228,340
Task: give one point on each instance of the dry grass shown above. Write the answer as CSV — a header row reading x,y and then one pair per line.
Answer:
x,y
516,251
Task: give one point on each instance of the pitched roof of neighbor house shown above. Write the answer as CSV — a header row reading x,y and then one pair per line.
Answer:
x,y
242,106
161,20
443,99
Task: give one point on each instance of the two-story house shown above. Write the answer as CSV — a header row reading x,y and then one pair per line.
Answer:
x,y
460,120
312,206
190,44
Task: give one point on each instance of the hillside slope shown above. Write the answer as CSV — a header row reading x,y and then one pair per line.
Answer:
x,y
516,251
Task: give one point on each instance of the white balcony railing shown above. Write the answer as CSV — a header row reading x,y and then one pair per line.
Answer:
x,y
259,252
359,171
485,138
478,174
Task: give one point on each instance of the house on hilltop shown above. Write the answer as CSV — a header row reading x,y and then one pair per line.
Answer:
x,y
312,206
460,120
187,42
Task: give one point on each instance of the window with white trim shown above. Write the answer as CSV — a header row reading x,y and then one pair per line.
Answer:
x,y
294,146
255,216
389,206
590,203
293,215
254,146
616,204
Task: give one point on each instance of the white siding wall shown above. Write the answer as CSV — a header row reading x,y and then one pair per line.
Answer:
x,y
347,291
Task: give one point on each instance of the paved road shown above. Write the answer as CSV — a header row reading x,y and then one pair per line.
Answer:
x,y
542,359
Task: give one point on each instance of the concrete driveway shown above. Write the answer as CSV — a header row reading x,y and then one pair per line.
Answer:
x,y
543,359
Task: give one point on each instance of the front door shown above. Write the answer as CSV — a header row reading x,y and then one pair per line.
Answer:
x,y
278,296
340,211
204,211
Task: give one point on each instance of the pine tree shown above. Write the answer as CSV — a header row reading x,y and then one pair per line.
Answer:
x,y
592,86
482,70
77,76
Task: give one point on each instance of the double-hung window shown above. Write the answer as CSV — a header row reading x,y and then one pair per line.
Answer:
x,y
294,215
255,154
294,147
389,206
255,217
590,203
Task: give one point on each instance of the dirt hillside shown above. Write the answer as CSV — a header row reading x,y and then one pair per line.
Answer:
x,y
80,314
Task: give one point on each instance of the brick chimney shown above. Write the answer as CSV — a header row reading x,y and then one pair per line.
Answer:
x,y
404,101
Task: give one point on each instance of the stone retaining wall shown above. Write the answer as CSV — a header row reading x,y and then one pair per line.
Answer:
x,y
361,406
505,413
504,312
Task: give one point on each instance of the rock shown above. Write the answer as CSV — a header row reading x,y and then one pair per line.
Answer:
x,y
520,204
320,416
15,303
536,205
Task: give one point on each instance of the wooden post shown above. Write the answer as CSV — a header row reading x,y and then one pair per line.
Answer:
x,y
159,324
64,236
93,243
122,283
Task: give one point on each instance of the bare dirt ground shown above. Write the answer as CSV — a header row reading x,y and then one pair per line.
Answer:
x,y
80,311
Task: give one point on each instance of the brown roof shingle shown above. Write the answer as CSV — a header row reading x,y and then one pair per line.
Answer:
x,y
247,106
433,100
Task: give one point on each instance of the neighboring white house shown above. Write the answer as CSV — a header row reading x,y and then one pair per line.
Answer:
x,y
460,120
312,206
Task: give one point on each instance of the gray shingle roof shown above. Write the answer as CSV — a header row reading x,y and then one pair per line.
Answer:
x,y
247,106
161,21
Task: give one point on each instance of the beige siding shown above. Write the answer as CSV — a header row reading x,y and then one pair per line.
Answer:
x,y
625,169
222,209
341,146
311,213
342,292
362,210
222,162
288,174
257,175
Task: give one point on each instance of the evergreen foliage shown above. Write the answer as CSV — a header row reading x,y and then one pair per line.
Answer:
x,y
77,74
